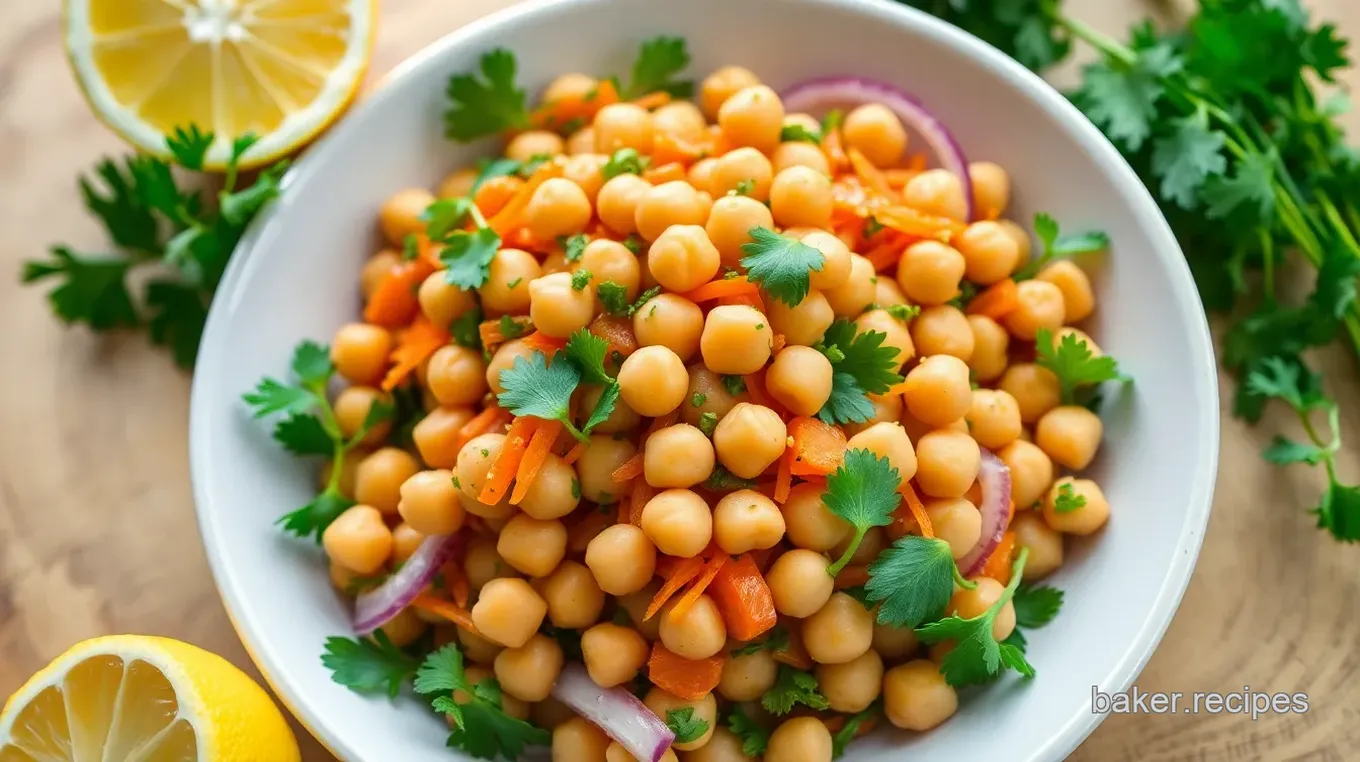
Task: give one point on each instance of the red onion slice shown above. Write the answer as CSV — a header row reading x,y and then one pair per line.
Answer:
x,y
995,478
615,711
820,94
375,608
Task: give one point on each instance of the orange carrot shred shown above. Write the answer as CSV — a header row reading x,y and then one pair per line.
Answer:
x,y
818,447
918,510
905,219
716,289
617,332
898,178
743,598
507,462
783,482
679,575
711,569
866,171
667,149
664,173
457,583
559,113
575,453
495,192
852,576
794,654
481,423
779,343
630,469
637,500
653,100
492,335
393,302
998,565
450,611
509,216
416,343
540,446
689,679
544,343
996,301
659,423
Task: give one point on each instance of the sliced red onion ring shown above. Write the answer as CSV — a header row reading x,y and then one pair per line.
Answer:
x,y
995,478
375,608
615,711
820,94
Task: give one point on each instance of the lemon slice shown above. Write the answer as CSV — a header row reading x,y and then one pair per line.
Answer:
x,y
281,69
148,699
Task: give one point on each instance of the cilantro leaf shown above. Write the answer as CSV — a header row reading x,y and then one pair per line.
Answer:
x,y
847,403
537,388
485,106
1066,500
574,246
580,279
708,423
614,298
792,133
1249,190
441,671
625,161
1122,97
129,222
777,639
977,657
860,366
312,519
189,146
1339,512
312,365
914,579
1283,452
659,60
92,290
723,480
685,725
240,206
1036,606
863,491
1054,244
735,385
464,328
304,434
493,168
780,265
1189,155
368,666
177,313
444,216
481,727
588,351
468,257
272,396
754,737
850,729
790,688
1073,363
1014,658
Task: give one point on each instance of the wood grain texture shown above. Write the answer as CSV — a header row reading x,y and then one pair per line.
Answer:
x,y
97,532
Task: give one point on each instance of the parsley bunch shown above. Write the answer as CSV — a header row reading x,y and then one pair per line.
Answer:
x,y
1221,120
184,236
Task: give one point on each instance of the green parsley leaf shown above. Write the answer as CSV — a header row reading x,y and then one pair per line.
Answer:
x,y
792,133
1073,363
1284,452
493,168
92,290
484,106
1036,606
272,396
1187,157
776,639
481,727
685,725
118,205
465,328
613,297
708,422
913,578
780,265
468,257
574,246
721,480
189,146
1056,245
240,207
1066,500
410,248
902,312
1249,190
588,351
744,188
368,666
698,399
512,328
863,491
579,280
304,435
735,385
312,519
542,390
177,313
633,243
860,365
754,736
790,688
625,161
977,657
850,729
1339,512
1121,98
659,61
832,120
445,216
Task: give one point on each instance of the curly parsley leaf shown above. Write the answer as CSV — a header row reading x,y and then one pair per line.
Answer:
x,y
368,665
485,105
658,63
1036,606
976,657
863,492
754,737
913,579
1073,362
780,265
685,725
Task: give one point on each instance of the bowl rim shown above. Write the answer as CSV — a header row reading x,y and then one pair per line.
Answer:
x,y
1176,577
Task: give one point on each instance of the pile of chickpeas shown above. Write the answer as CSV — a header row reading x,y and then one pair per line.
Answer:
x,y
560,559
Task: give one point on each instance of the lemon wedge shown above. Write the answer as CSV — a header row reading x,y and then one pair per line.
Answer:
x,y
281,69
133,697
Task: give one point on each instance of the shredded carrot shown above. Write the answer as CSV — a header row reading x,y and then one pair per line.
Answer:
x,y
743,598
898,178
507,462
393,302
559,113
834,149
778,343
582,531
715,141
668,149
905,219
716,289
544,343
794,654
510,215
575,453
456,582
689,679
491,334
540,446
998,565
482,423
522,238
918,510
441,608
888,253
834,724
664,173
653,100
852,576
637,500
414,344
818,447
746,300
630,469
783,482
711,569
617,332
996,301
680,573
867,172
495,192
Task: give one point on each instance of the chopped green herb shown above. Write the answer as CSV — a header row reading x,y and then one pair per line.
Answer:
x,y
792,133
780,265
1067,500
707,423
579,280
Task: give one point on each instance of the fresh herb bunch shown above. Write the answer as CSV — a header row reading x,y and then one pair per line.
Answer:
x,y
1220,120
185,235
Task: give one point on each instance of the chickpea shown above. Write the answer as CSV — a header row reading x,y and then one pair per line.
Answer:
x,y
504,359
704,709
506,289
652,381
570,86
1091,514
991,188
957,521
930,271
557,308
730,222
749,439
746,520
616,753
1035,389
623,125
508,611
358,540
441,301
855,295
888,293
749,676
799,583
989,252
673,203
475,647
683,258
1039,306
1070,434
752,116
680,119
456,375
635,605
699,634
894,331
916,696
943,330
723,84
608,260
482,563
808,523
947,463
937,391
532,546
852,686
800,739
474,461
801,196
804,324
531,143
429,503
678,456
736,340
622,559
574,600
1045,544
994,419
742,166
678,522
378,479
529,671
800,379
552,495
890,441
670,321
973,603
1020,236
586,170
376,269
1077,298
707,393
578,740
360,351
613,654
990,343
618,201
596,467
887,409
877,133
404,628
351,410
1031,471
800,154
621,419
937,192
838,632
837,264
406,539
399,215
457,183
894,643
582,141
558,207
700,175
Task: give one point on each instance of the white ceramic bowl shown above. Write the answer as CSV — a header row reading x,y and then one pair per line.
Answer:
x,y
294,278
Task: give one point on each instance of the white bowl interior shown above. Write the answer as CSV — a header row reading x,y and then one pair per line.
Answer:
x,y
295,278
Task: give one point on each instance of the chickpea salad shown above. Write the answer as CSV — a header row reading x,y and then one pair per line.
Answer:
x,y
703,423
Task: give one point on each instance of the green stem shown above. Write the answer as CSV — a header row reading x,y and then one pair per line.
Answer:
x,y
1268,264
849,553
966,584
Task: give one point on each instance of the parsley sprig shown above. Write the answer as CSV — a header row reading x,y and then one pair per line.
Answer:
x,y
480,725
466,254
780,265
793,687
539,387
863,491
860,366
977,657
754,737
369,665
685,725
1078,368
913,580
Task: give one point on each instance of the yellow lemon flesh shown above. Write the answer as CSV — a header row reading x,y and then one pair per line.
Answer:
x,y
132,697
281,69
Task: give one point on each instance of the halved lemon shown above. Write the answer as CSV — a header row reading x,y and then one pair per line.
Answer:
x,y
281,69
149,699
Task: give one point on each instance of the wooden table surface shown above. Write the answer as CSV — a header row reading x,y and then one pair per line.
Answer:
x,y
97,530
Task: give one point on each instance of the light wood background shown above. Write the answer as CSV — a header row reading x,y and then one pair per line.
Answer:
x,y
97,530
